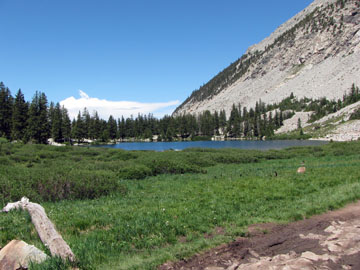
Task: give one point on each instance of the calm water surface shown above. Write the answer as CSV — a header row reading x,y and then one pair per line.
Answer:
x,y
258,145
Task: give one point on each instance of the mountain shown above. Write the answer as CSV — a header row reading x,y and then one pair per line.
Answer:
x,y
315,54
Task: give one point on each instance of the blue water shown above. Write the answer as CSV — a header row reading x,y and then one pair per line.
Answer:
x,y
257,145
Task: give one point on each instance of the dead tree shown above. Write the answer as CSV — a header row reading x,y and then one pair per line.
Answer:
x,y
45,228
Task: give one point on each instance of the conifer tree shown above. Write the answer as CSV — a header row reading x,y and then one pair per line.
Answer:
x,y
38,122
170,134
19,117
207,126
193,126
78,128
86,119
6,107
44,120
148,134
276,120
256,127
222,120
112,127
94,131
232,122
56,126
281,118
182,125
51,115
104,131
65,125
129,127
246,128
216,122
121,128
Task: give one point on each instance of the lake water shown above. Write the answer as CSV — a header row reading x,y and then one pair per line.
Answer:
x,y
257,145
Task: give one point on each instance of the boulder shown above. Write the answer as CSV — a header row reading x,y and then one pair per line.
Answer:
x,y
18,254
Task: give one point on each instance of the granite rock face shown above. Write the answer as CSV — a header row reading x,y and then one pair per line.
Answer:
x,y
315,54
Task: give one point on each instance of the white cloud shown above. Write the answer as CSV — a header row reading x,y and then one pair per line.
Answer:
x,y
105,108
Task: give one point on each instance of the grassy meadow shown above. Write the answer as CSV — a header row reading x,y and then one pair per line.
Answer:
x,y
136,210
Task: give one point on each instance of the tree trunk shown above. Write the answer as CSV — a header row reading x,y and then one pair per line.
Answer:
x,y
45,228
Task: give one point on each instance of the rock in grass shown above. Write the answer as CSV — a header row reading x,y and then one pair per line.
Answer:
x,y
18,254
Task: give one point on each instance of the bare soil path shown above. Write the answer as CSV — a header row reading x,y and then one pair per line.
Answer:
x,y
327,241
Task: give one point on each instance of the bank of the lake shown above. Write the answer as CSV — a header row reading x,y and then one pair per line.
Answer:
x,y
238,144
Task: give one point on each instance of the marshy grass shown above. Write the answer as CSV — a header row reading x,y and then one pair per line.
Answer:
x,y
146,208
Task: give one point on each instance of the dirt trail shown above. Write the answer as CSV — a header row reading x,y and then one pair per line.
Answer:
x,y
328,241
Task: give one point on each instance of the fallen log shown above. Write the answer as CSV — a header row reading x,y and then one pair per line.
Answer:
x,y
45,228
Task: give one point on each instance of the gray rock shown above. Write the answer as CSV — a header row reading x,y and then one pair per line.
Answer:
x,y
18,254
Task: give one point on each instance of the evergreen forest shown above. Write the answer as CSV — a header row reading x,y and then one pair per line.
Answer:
x,y
38,121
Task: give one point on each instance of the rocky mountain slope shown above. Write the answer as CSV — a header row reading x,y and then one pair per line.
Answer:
x,y
336,126
315,54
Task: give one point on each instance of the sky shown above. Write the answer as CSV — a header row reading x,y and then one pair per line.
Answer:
x,y
124,57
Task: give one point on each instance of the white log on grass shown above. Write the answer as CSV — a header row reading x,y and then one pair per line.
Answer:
x,y
45,228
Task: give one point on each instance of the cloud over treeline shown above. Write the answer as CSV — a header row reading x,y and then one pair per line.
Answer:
x,y
105,108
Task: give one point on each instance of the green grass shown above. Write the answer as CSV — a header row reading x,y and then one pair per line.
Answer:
x,y
182,197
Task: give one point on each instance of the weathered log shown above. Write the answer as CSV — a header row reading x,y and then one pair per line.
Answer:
x,y
45,228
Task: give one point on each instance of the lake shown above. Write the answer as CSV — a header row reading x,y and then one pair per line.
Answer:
x,y
255,145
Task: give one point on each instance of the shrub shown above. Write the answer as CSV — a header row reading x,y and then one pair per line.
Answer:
x,y
138,171
41,184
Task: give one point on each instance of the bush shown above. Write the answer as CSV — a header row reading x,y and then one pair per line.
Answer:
x,y
41,184
44,173
135,172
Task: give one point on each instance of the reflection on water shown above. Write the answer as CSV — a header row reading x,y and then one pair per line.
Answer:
x,y
258,145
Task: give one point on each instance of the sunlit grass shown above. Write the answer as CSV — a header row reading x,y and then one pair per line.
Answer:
x,y
171,216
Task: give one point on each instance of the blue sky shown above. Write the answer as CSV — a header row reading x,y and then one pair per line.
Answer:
x,y
143,51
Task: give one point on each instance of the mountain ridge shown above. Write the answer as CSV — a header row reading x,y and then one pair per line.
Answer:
x,y
314,54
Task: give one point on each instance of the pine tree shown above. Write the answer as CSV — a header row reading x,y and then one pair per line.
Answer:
x,y
104,132
51,114
129,127
281,119
121,128
38,122
170,134
94,131
148,134
19,117
6,107
86,119
207,125
65,125
216,122
112,127
78,128
256,127
182,125
56,126
192,125
246,128
44,120
222,120
232,127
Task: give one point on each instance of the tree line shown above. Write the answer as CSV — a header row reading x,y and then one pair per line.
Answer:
x,y
37,121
